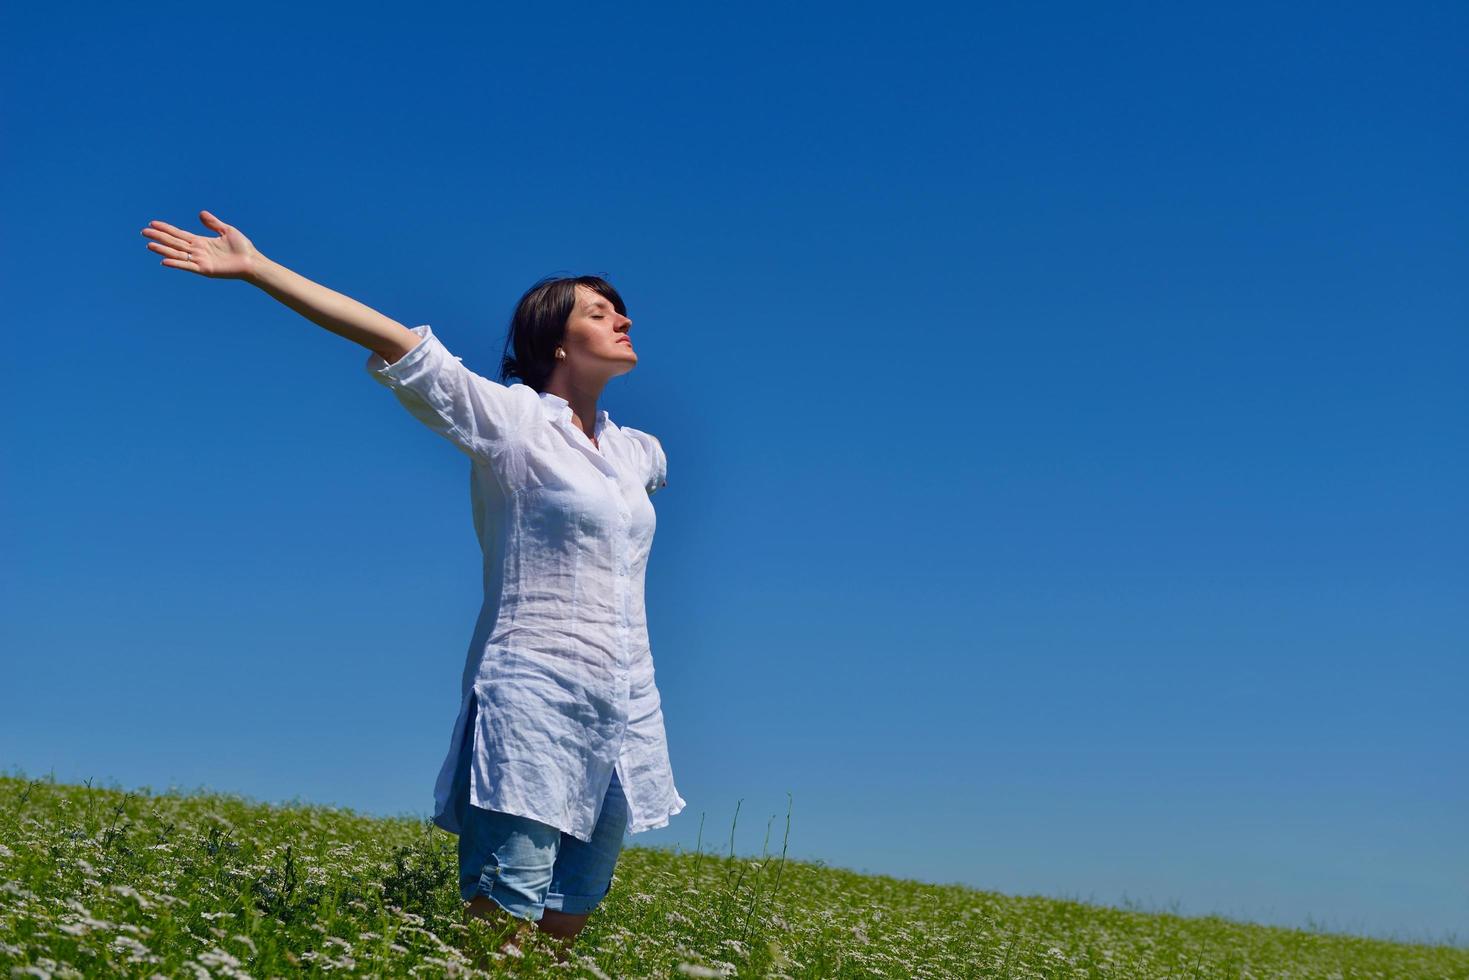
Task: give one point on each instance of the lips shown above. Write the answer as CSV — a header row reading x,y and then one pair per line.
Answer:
x,y
624,340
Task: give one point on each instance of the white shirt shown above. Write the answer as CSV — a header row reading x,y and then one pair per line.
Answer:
x,y
558,686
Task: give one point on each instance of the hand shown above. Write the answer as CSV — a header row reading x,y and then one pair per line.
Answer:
x,y
230,256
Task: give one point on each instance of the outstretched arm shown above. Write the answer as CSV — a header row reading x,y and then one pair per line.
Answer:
x,y
473,412
232,256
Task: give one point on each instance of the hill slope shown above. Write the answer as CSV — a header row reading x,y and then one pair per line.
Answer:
x,y
98,882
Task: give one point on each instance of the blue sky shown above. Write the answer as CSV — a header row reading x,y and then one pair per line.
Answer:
x,y
1064,410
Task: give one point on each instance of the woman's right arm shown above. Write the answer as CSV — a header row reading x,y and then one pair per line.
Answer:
x,y
233,256
330,309
473,412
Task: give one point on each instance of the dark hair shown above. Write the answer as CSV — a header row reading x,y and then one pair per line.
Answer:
x,y
539,324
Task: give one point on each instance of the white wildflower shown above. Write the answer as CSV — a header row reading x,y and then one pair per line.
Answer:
x,y
216,957
248,942
6,852
678,917
92,923
695,970
445,968
591,967
135,948
451,952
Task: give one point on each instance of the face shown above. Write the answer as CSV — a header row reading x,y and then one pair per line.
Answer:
x,y
597,336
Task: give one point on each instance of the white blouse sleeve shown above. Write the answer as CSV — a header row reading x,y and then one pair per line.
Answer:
x,y
471,411
655,462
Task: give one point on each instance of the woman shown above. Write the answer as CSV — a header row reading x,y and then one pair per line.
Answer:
x,y
558,747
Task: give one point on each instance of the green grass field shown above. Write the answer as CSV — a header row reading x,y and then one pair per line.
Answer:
x,y
97,882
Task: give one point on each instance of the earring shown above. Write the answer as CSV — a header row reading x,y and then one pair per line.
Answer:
x,y
560,354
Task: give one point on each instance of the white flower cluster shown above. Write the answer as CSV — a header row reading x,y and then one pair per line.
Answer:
x,y
696,970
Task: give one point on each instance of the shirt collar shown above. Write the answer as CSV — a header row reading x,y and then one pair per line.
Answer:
x,y
558,409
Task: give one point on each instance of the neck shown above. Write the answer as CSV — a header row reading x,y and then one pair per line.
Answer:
x,y
581,396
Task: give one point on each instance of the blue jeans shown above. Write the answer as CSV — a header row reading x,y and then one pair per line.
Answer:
x,y
526,866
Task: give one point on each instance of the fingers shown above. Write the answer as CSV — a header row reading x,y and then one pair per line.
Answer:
x,y
213,222
186,236
167,252
165,238
174,258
